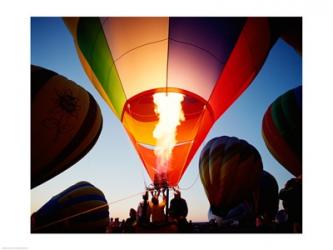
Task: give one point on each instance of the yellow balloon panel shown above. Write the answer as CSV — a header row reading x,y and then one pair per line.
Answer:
x,y
127,33
147,66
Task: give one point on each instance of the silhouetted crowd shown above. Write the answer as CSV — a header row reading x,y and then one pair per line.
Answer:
x,y
151,217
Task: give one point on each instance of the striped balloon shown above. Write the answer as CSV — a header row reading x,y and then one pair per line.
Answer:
x,y
66,122
81,208
210,61
282,130
230,170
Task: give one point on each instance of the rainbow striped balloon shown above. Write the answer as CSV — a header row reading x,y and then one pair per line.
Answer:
x,y
230,171
282,130
210,61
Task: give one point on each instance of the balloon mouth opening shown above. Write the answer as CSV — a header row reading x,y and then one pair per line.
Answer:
x,y
142,106
153,147
164,152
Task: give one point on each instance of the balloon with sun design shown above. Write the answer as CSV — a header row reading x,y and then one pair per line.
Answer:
x,y
66,122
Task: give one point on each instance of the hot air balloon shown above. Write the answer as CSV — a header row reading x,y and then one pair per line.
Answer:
x,y
81,208
282,130
65,124
268,197
168,79
291,196
230,170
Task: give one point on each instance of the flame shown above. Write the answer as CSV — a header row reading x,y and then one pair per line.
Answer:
x,y
168,107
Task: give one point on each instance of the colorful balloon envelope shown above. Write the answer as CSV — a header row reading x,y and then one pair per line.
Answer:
x,y
65,124
200,64
81,208
230,171
282,130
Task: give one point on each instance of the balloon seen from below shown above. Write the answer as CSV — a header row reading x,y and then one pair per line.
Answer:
x,y
81,208
230,170
168,79
66,122
282,130
268,198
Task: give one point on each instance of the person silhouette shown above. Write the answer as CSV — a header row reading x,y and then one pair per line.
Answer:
x,y
157,208
144,211
130,223
178,212
178,207
291,196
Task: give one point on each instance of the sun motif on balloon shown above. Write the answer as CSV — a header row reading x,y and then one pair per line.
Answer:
x,y
66,122
65,108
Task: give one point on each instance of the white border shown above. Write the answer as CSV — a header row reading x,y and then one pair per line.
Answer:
x,y
15,131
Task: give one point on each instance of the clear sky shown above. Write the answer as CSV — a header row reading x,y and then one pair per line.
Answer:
x,y
113,164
